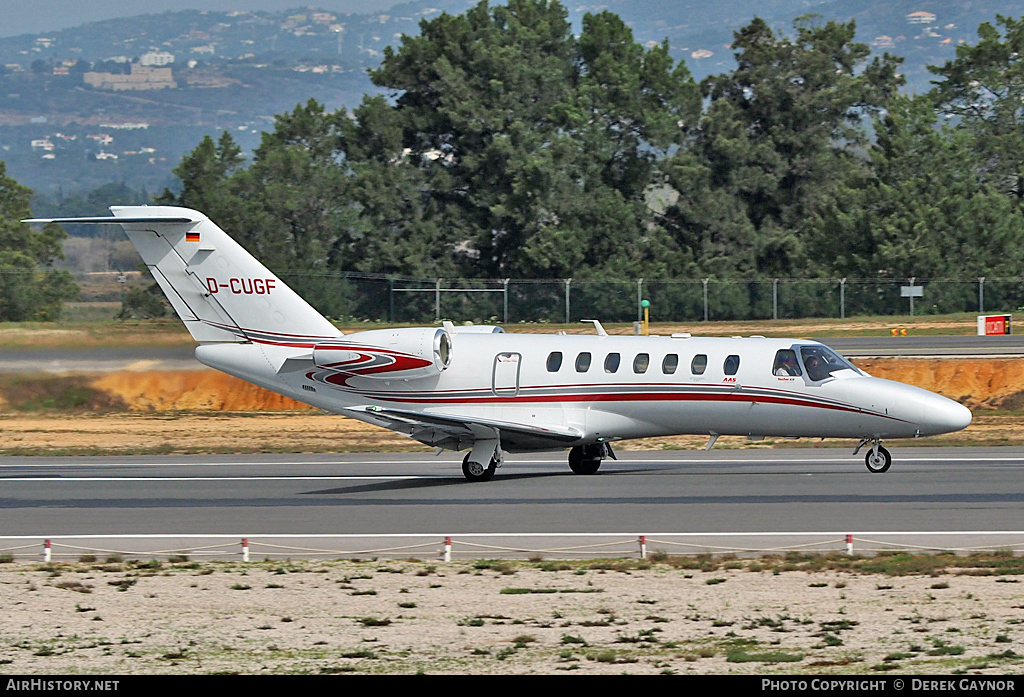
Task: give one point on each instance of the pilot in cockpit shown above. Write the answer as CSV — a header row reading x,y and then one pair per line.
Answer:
x,y
785,364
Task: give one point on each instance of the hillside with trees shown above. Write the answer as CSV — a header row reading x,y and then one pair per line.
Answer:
x,y
74,115
511,147
504,143
30,288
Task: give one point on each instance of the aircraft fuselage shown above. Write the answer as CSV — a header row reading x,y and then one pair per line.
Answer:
x,y
609,388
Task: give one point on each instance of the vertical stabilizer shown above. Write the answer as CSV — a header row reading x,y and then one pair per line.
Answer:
x,y
219,290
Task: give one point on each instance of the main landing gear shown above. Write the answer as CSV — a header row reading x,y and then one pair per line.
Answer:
x,y
475,472
583,459
877,459
586,459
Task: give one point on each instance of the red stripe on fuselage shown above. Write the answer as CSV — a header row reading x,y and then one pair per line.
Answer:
x,y
634,397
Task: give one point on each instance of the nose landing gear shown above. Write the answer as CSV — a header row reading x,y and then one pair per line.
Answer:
x,y
877,459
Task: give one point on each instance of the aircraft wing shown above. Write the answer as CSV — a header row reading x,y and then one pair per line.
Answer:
x,y
458,432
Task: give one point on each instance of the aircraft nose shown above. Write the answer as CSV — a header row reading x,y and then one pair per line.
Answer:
x,y
945,416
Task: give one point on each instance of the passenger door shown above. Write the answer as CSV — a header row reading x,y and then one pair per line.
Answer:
x,y
505,374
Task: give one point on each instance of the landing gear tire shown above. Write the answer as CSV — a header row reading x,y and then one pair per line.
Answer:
x,y
582,460
475,472
878,462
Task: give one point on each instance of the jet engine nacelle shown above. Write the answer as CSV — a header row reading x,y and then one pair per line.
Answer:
x,y
417,352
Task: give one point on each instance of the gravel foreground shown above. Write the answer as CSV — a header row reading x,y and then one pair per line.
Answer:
x,y
487,617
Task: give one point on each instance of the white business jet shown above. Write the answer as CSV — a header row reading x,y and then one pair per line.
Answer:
x,y
482,390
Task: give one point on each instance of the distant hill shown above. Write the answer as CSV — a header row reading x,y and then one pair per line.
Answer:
x,y
236,70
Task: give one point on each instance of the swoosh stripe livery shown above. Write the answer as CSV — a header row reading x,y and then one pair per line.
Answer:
x,y
600,393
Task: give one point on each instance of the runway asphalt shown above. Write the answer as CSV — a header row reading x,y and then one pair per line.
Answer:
x,y
923,346
757,492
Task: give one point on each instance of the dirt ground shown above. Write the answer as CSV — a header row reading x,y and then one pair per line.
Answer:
x,y
183,432
415,616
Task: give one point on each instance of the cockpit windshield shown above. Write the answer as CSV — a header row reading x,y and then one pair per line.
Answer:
x,y
822,362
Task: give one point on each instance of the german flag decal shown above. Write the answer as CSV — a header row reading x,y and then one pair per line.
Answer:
x,y
191,236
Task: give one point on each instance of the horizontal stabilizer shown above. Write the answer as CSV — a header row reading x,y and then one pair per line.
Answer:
x,y
111,220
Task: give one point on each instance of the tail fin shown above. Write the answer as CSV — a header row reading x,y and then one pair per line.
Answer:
x,y
219,290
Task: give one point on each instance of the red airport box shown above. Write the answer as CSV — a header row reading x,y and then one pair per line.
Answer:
x,y
989,325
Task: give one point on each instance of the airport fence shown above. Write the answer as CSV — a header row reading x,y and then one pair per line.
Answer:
x,y
470,546
399,299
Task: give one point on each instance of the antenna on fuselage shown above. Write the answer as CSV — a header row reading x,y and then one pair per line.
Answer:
x,y
597,326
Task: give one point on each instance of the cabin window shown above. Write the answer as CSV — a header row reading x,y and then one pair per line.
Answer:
x,y
554,361
786,364
669,365
583,362
699,364
641,362
732,364
611,363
